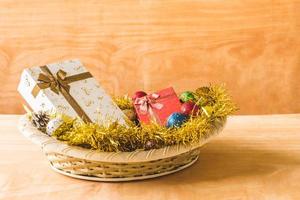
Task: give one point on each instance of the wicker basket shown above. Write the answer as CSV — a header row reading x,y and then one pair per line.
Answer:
x,y
111,166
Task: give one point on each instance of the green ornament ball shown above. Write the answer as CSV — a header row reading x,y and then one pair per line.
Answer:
x,y
187,96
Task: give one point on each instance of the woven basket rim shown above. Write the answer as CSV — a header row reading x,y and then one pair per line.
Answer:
x,y
51,145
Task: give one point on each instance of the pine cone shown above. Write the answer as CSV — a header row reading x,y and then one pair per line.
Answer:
x,y
40,120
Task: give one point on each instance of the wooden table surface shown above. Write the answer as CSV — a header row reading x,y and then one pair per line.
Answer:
x,y
255,157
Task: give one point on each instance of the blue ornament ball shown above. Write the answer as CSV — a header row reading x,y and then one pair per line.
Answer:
x,y
176,119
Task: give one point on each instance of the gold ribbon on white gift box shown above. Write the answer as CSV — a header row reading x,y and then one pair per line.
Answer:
x,y
60,84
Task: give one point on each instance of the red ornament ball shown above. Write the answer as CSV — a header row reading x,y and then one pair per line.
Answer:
x,y
189,108
138,94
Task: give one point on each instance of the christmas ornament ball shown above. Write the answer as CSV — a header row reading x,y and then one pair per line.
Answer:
x,y
189,108
176,119
53,125
138,94
187,96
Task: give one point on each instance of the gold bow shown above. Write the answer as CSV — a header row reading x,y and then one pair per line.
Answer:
x,y
60,84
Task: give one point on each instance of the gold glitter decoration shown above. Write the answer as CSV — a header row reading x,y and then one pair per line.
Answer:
x,y
116,137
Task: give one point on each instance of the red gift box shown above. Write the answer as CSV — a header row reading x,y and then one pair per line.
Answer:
x,y
157,106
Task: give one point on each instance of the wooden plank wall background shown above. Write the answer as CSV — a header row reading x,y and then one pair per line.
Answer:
x,y
253,46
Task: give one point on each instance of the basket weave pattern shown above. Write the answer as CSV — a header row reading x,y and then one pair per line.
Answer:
x,y
112,166
120,170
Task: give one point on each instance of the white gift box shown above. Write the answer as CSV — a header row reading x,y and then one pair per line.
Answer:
x,y
67,87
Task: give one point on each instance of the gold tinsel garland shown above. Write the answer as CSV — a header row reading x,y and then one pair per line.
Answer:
x,y
214,101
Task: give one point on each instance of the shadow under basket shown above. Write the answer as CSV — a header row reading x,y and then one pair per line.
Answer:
x,y
93,165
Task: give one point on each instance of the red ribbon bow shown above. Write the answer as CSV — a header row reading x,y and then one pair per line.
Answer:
x,y
147,103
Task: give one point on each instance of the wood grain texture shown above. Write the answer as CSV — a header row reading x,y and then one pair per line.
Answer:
x,y
255,157
252,46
